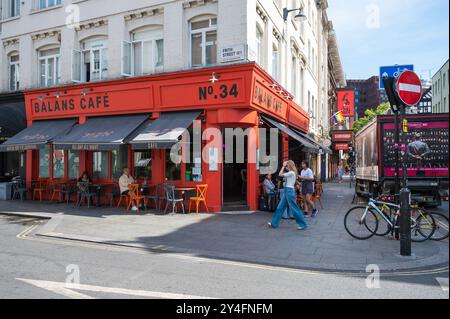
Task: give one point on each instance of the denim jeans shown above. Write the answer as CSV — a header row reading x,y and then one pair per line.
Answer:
x,y
287,212
288,200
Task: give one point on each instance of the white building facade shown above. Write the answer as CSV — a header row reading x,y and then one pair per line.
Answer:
x,y
58,42
440,86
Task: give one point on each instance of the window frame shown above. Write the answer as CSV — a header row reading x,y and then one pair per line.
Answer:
x,y
56,69
203,32
16,64
47,5
94,45
153,40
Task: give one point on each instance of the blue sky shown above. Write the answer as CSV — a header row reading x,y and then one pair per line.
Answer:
x,y
406,32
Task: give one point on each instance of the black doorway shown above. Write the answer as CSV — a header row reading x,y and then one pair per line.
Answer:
x,y
235,177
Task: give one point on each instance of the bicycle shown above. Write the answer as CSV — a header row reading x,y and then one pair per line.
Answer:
x,y
362,222
441,223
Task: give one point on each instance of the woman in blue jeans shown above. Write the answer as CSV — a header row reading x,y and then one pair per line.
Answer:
x,y
289,199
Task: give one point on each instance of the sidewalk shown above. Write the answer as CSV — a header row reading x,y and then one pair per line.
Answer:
x,y
237,237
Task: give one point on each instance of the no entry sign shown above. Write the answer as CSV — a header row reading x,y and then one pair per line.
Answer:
x,y
409,88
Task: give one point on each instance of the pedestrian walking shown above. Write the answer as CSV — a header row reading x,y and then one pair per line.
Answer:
x,y
288,199
307,180
340,173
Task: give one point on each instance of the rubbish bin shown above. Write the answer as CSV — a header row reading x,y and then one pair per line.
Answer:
x,y
5,191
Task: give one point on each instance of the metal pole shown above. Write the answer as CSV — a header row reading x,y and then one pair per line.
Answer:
x,y
405,202
397,158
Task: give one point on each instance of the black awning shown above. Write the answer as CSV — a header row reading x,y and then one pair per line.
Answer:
x,y
307,145
38,134
320,145
100,133
164,132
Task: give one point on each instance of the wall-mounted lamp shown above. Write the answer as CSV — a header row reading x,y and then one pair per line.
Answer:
x,y
298,17
40,98
58,95
84,92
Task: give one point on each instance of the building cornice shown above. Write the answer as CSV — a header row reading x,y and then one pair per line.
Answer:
x,y
197,3
143,13
91,24
10,42
46,34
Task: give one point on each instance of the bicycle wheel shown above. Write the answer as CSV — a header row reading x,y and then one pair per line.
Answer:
x,y
384,228
441,231
357,227
422,226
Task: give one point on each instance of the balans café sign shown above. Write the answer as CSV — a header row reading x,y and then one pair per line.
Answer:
x,y
76,104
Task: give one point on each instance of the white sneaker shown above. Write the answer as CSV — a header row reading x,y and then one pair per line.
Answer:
x,y
134,208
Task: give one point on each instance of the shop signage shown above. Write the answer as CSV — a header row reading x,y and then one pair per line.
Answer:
x,y
267,100
77,105
341,147
342,136
232,53
346,102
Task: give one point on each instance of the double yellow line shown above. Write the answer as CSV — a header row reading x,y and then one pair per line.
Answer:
x,y
24,235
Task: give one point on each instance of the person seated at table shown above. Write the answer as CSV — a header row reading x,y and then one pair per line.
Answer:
x,y
83,183
270,190
125,180
84,178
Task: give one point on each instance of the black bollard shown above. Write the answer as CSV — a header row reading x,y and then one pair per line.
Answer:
x,y
405,222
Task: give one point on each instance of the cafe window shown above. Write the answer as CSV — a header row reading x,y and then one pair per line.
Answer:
x,y
119,161
143,165
173,170
74,164
203,42
44,162
58,163
14,72
145,54
100,165
49,67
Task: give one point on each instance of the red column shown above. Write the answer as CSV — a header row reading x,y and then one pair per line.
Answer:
x,y
252,172
29,168
212,137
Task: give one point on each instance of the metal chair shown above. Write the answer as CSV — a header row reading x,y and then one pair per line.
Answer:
x,y
155,194
19,189
172,200
84,192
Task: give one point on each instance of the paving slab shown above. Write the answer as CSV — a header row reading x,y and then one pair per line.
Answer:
x,y
240,237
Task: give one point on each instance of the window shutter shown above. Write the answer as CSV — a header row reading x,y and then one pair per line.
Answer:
x,y
76,66
126,58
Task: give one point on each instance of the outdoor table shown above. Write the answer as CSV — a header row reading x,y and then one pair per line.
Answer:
x,y
183,191
98,190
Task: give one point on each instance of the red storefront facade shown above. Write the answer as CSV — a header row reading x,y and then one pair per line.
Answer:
x,y
227,97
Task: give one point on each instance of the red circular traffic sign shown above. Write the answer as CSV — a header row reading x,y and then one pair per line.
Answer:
x,y
409,88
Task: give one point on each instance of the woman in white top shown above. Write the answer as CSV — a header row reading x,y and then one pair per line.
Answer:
x,y
289,199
